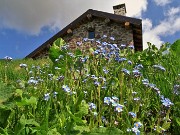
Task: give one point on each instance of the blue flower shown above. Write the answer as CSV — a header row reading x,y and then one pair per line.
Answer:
x,y
119,108
97,41
92,106
96,83
7,58
139,66
23,65
125,71
60,78
66,88
176,89
78,43
85,39
104,36
105,70
116,99
55,94
136,99
145,82
129,62
132,114
159,67
137,124
123,46
71,54
61,56
131,47
136,73
112,38
107,100
166,102
46,96
32,81
57,68
136,130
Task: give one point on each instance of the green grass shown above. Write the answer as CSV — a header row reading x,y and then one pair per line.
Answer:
x,y
90,94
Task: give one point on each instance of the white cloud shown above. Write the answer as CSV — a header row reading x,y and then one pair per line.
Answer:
x,y
173,11
31,16
162,2
166,27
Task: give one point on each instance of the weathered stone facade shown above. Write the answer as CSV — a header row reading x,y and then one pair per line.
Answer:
x,y
121,34
101,27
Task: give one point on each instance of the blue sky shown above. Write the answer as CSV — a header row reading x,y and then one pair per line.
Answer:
x,y
25,25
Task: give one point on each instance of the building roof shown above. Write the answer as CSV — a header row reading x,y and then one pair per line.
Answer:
x,y
135,23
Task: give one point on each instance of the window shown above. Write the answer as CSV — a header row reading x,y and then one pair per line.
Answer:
x,y
91,34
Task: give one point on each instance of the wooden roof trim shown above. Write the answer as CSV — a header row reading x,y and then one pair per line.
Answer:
x,y
72,25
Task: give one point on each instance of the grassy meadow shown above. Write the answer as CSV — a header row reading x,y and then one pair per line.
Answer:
x,y
107,89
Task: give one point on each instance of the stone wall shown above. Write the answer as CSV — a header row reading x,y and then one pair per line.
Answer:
x,y
101,27
121,34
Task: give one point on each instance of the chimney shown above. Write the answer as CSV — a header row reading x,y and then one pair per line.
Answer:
x,y
120,9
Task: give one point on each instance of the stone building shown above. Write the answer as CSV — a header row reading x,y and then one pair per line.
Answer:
x,y
94,24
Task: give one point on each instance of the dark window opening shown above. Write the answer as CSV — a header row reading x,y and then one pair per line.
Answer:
x,y
91,34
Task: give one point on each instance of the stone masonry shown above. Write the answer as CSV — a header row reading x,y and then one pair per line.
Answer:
x,y
101,27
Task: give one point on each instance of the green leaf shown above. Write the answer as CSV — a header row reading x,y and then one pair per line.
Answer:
x,y
3,131
178,121
166,125
53,132
59,42
19,92
82,129
20,125
105,131
32,122
25,101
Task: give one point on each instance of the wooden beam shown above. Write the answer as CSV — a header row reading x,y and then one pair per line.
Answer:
x,y
127,24
69,32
